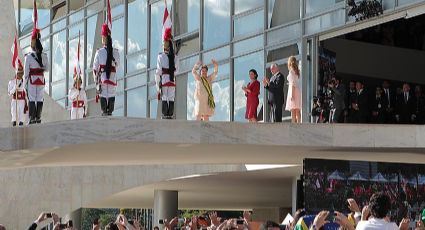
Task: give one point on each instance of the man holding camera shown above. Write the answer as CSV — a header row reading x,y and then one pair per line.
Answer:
x,y
56,221
338,97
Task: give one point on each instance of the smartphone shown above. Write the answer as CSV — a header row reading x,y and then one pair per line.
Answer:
x,y
131,222
161,221
70,224
49,215
239,222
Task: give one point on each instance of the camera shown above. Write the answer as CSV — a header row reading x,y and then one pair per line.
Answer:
x,y
160,221
131,222
66,225
239,221
49,215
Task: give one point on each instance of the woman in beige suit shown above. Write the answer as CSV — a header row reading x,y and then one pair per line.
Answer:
x,y
204,98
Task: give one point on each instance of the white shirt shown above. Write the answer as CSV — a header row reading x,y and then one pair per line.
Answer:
x,y
376,224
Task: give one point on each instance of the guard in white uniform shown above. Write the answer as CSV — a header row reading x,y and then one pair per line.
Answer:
x,y
105,67
164,76
18,95
78,97
36,63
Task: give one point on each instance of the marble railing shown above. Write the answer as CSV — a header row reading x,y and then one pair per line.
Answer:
x,y
93,130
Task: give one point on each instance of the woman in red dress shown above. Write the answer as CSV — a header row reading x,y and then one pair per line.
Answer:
x,y
252,90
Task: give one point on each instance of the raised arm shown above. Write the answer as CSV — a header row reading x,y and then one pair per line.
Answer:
x,y
11,88
195,71
213,76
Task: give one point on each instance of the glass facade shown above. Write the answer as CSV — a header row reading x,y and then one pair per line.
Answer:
x,y
240,34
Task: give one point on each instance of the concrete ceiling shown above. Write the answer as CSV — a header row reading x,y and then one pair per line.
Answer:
x,y
232,191
138,153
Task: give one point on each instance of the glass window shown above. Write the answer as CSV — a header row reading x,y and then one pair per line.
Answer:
x,y
244,5
287,33
283,11
59,25
216,23
74,5
59,90
282,53
59,56
136,102
248,45
187,16
94,24
137,25
118,43
249,24
136,81
59,11
26,10
221,92
189,47
119,105
16,7
187,63
117,7
325,21
153,97
315,6
77,16
73,45
218,54
95,8
242,65
157,14
404,2
136,62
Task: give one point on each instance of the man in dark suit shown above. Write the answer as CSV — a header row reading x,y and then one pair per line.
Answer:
x,y
338,97
361,106
390,96
379,106
405,110
351,99
419,106
274,86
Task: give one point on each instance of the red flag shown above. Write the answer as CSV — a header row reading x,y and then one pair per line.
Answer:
x,y
34,14
166,24
109,16
15,54
77,68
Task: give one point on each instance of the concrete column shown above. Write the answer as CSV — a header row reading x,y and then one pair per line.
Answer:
x,y
294,195
165,205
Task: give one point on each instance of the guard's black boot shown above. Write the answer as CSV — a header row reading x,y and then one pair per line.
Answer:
x,y
111,105
39,110
170,111
32,112
21,123
13,123
103,106
164,110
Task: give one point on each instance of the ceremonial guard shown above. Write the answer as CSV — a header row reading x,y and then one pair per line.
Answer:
x,y
104,69
17,93
36,63
164,76
78,97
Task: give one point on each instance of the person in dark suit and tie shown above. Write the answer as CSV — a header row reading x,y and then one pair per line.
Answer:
x,y
379,106
361,106
405,110
390,96
274,86
339,94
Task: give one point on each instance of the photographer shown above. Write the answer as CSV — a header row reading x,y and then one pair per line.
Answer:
x,y
338,98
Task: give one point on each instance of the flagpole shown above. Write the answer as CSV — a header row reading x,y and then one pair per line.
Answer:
x,y
78,72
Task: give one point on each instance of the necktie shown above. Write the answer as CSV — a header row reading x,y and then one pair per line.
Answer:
x,y
405,97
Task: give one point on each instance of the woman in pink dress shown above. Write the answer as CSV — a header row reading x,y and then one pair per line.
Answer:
x,y
252,90
293,99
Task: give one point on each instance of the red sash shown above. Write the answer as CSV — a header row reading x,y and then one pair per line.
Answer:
x,y
21,95
107,81
77,104
37,72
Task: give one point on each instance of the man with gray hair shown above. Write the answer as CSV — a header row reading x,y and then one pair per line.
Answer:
x,y
274,86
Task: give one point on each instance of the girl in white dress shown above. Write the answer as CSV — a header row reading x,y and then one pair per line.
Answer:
x,y
293,99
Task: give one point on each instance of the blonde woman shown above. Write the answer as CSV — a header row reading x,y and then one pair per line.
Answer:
x,y
204,98
293,99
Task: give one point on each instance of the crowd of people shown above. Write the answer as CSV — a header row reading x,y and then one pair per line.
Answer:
x,y
356,104
371,215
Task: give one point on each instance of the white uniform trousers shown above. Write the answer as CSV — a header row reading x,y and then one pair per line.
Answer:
x,y
168,93
35,92
77,113
21,107
108,90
